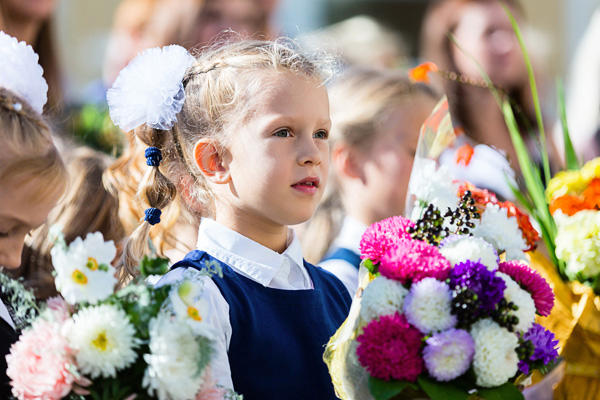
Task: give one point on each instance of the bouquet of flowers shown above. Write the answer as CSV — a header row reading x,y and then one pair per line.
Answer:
x,y
565,209
447,306
138,342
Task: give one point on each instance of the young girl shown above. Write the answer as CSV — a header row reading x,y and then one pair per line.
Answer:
x,y
376,117
32,174
249,122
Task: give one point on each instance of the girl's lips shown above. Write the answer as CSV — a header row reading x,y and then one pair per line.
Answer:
x,y
308,185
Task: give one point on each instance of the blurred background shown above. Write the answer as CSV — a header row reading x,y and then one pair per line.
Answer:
x,y
83,28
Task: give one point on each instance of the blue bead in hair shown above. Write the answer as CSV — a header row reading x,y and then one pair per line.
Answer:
x,y
152,215
153,156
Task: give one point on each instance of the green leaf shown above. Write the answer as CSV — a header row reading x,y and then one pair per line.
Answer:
x,y
154,266
534,94
508,391
368,264
442,391
385,390
570,155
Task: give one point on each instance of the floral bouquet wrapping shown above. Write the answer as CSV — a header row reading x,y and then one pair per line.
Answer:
x,y
140,342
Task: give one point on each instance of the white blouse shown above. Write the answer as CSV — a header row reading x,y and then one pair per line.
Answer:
x,y
250,259
348,238
5,315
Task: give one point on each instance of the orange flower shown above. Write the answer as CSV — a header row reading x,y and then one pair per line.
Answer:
x,y
464,154
591,195
481,196
420,73
568,204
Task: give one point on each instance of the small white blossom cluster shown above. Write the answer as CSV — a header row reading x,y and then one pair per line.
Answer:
x,y
459,248
495,360
502,231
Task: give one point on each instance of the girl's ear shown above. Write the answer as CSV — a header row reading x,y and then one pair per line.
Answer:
x,y
210,161
346,161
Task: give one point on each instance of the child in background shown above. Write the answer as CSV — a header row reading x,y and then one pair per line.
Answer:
x,y
249,122
32,173
87,206
376,117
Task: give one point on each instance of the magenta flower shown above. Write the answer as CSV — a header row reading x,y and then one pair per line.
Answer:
x,y
412,260
382,235
531,281
389,348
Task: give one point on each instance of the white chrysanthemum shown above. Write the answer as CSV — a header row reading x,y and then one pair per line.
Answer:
x,y
502,231
457,249
83,270
523,300
172,372
578,242
428,304
103,339
431,185
495,360
150,89
21,73
190,306
382,296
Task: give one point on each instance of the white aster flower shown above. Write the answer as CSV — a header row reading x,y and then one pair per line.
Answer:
x,y
190,306
495,360
83,270
501,231
523,300
103,339
460,248
382,296
431,185
173,368
428,304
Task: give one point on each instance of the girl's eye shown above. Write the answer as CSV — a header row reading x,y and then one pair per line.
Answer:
x,y
285,132
321,134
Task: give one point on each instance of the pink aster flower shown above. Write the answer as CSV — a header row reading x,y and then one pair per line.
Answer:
x,y
210,390
532,282
58,308
382,235
390,348
412,260
38,364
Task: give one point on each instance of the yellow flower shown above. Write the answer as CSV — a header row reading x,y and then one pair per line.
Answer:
x,y
565,182
591,169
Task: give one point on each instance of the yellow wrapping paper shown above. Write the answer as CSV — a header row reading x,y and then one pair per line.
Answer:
x,y
575,320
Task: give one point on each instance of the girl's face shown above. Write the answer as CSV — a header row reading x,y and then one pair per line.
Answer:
x,y
485,32
388,163
19,215
278,157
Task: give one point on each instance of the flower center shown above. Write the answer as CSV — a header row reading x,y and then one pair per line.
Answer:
x,y
194,314
101,341
92,263
79,277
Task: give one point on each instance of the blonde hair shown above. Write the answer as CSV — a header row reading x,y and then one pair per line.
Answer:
x,y
361,100
87,206
216,89
28,150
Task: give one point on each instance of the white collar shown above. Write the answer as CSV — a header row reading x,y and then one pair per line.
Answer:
x,y
350,235
247,256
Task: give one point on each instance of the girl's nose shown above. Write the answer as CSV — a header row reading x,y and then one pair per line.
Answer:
x,y
309,152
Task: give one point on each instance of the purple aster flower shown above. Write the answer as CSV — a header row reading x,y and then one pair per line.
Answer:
x,y
544,348
475,276
448,355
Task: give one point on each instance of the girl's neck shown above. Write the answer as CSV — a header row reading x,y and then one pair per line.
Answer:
x,y
25,30
271,235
